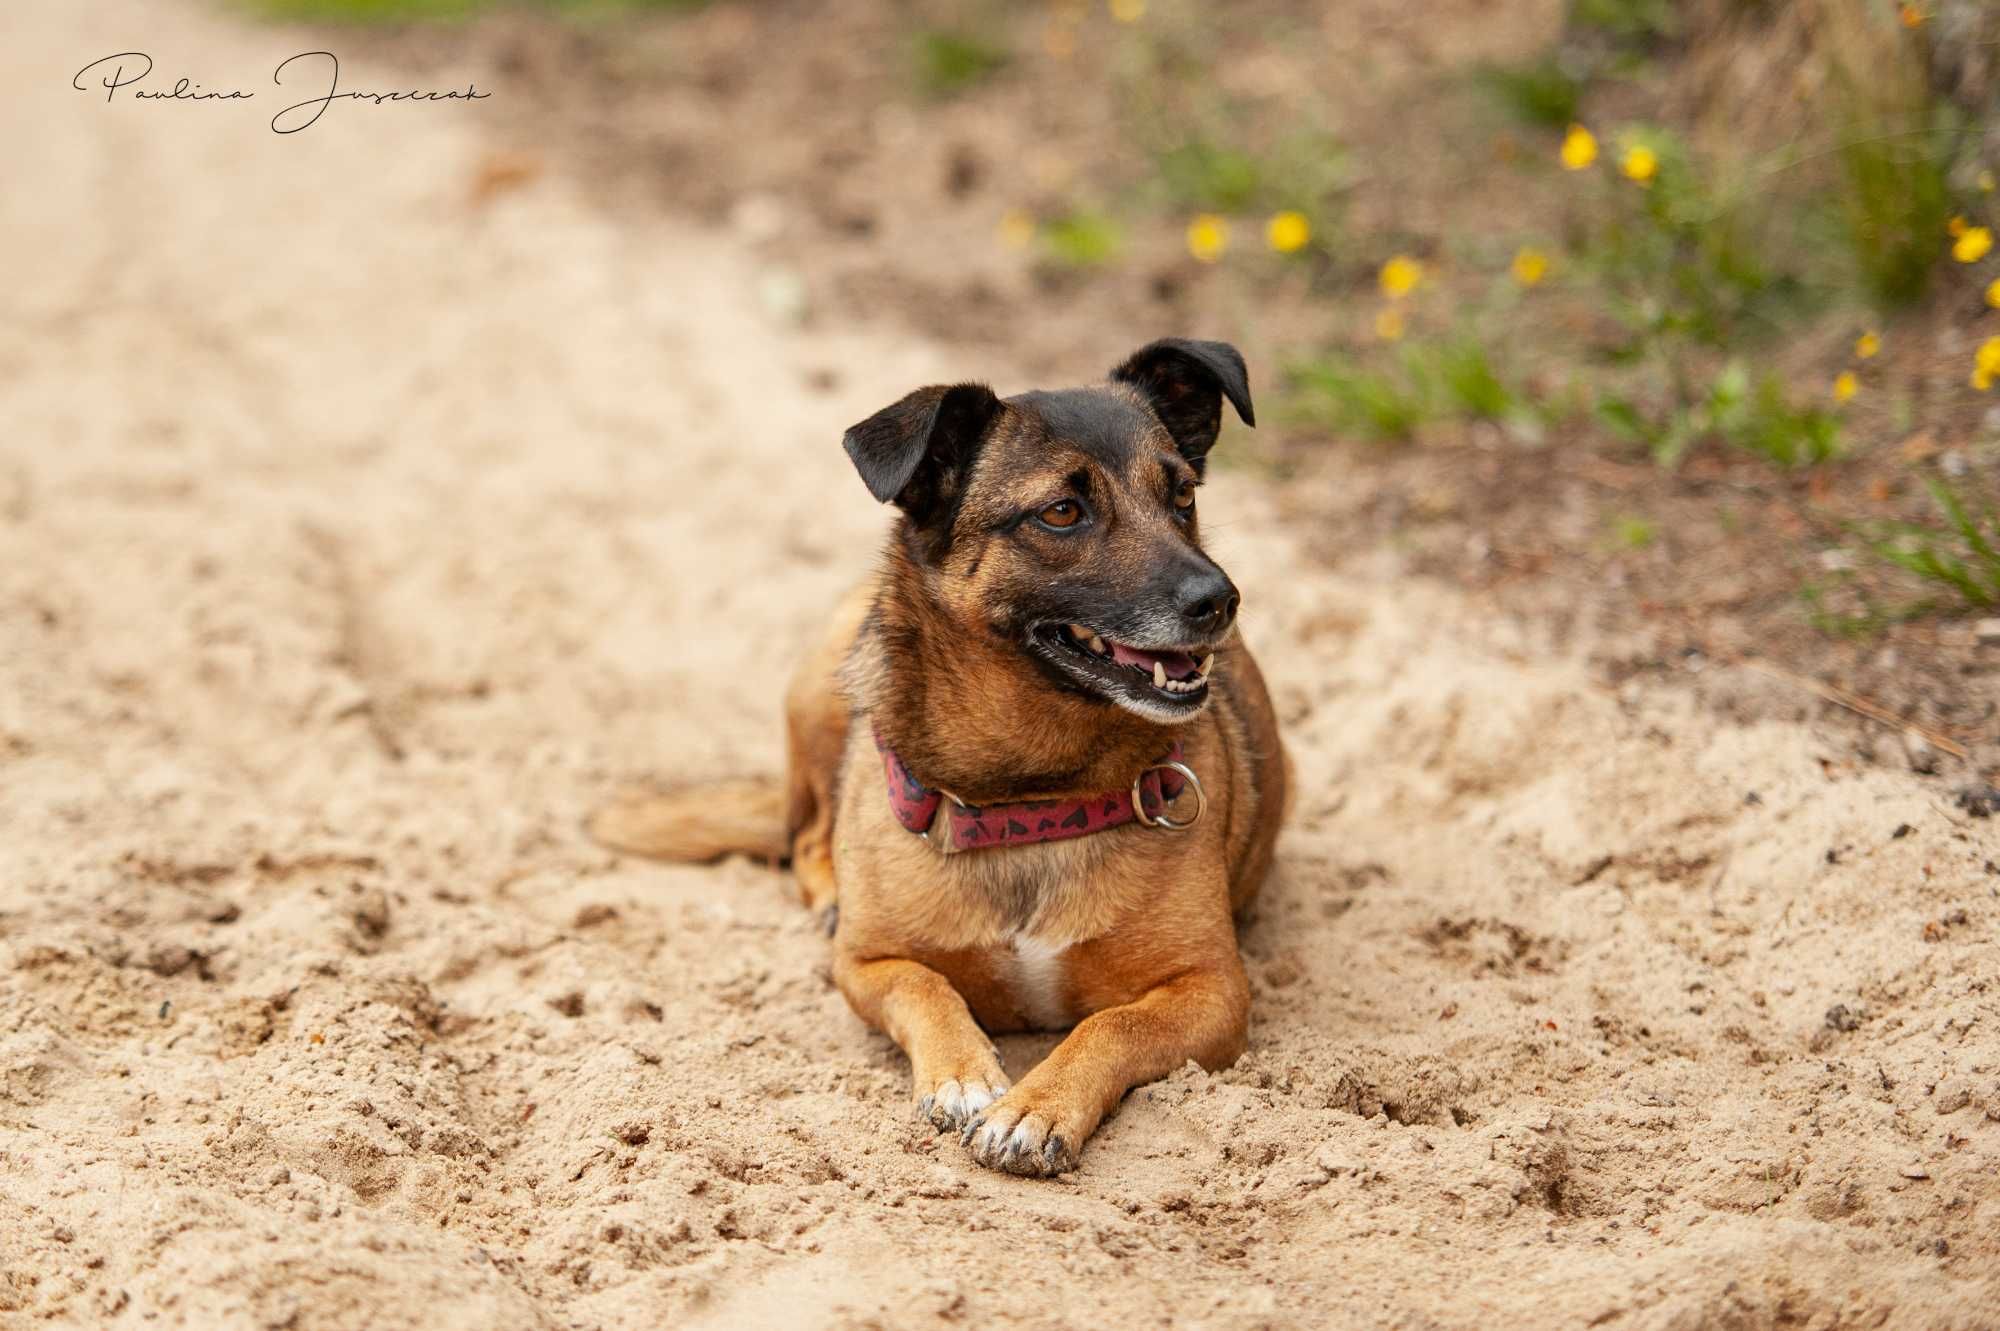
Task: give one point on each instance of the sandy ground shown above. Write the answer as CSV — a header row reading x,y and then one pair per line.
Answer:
x,y
354,540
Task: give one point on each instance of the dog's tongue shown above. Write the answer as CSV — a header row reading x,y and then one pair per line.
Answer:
x,y
1179,664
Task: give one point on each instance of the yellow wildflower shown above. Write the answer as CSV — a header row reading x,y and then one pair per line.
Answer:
x,y
1987,183
1400,276
1867,345
1956,226
1641,163
1845,386
1972,246
1530,266
1389,324
1207,237
1911,16
1987,358
1982,379
1017,229
1288,232
1128,11
1579,148
1993,293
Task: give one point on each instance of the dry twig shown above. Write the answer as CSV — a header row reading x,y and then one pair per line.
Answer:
x,y
1854,702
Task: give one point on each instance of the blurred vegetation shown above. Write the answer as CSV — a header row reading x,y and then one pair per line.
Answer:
x,y
1420,383
1667,280
1897,143
948,63
1631,24
1633,533
1539,93
1082,239
1953,561
441,11
1960,558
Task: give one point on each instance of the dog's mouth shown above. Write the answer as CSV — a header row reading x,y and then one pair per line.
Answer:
x,y
1155,678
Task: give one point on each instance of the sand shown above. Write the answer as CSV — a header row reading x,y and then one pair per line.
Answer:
x,y
357,537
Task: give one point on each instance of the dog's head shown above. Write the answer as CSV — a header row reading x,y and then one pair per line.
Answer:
x,y
1063,524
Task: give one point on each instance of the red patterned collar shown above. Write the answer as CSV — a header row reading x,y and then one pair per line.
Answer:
x,y
1025,822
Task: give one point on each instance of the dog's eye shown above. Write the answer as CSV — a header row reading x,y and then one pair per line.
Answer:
x,y
1062,513
1184,497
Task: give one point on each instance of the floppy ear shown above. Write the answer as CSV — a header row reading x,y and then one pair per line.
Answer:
x,y
1186,382
917,451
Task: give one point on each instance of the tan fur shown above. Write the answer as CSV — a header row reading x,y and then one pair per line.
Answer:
x,y
816,735
698,824
1150,977
1126,936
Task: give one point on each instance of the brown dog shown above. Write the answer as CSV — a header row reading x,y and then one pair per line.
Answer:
x,y
1032,762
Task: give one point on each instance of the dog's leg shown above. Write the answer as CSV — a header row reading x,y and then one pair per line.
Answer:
x,y
953,1066
1040,1125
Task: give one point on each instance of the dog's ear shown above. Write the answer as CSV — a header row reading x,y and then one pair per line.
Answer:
x,y
916,452
1186,382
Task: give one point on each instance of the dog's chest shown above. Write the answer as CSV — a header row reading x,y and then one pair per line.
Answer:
x,y
1033,972
1042,892
1036,904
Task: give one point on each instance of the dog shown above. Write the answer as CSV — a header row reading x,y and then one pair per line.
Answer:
x,y
1033,774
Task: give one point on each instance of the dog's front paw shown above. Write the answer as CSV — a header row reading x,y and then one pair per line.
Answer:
x,y
952,1104
1019,1141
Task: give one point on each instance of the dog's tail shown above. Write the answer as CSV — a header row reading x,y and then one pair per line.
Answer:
x,y
700,823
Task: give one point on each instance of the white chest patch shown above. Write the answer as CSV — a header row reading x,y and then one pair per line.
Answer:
x,y
1037,980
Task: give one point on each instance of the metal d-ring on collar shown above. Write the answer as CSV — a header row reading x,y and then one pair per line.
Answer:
x,y
1161,821
926,833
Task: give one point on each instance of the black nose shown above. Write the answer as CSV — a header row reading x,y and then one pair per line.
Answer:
x,y
1207,600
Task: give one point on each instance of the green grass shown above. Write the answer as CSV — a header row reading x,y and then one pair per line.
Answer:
x,y
1453,380
1082,240
1757,418
1695,262
944,63
1895,140
1336,394
1684,257
1666,435
1957,563
1199,173
1539,92
1897,200
1867,622
1633,24
1633,533
1764,421
1466,381
1960,560
1306,170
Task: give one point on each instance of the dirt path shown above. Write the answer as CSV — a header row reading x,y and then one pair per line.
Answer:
x,y
354,539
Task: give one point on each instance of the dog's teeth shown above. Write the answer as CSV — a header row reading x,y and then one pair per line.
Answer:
x,y
1208,662
1080,633
1097,645
1159,675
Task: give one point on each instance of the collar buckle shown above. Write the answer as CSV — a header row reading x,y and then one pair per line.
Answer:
x,y
1160,820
